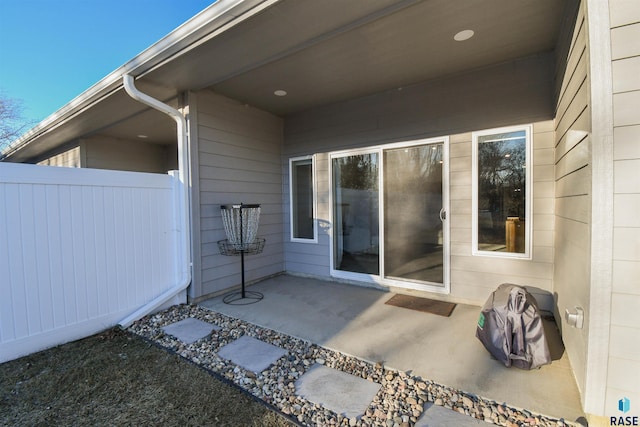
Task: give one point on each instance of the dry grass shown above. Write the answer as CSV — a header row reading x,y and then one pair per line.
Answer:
x,y
115,378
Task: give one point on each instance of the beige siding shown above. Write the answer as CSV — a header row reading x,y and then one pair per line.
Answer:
x,y
482,99
475,277
310,258
70,158
573,200
456,106
100,152
239,151
624,348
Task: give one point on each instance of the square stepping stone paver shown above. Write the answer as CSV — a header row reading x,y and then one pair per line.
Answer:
x,y
251,353
438,416
343,393
190,330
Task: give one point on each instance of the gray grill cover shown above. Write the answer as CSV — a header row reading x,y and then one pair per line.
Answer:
x,y
511,328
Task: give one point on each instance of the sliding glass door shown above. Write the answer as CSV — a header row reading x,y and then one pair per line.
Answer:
x,y
389,215
356,198
413,229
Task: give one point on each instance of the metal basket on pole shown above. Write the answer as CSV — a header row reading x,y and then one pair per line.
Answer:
x,y
241,227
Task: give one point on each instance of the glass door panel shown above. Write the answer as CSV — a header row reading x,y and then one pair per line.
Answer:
x,y
356,238
413,201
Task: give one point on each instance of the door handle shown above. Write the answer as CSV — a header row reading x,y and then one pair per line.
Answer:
x,y
443,215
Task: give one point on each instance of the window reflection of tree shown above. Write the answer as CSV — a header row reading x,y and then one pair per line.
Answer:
x,y
356,212
358,172
419,168
501,184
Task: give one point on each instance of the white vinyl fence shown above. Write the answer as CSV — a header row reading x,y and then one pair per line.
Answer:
x,y
80,249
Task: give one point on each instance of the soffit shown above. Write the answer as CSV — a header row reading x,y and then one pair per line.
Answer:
x,y
320,56
148,125
322,52
116,115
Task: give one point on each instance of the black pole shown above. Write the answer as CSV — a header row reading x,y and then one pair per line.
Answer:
x,y
228,247
242,251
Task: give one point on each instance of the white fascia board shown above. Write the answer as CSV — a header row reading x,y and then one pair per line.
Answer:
x,y
212,21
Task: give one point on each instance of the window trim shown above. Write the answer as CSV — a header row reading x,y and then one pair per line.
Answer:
x,y
527,255
314,189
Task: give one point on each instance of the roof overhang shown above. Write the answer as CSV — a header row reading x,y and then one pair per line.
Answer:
x,y
320,52
106,104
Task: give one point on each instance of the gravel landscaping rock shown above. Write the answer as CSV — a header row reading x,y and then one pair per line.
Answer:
x,y
400,401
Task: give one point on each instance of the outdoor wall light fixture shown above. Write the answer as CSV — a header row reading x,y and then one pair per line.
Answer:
x,y
280,92
463,35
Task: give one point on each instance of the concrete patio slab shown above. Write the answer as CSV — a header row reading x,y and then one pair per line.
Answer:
x,y
190,330
438,416
343,393
251,353
354,320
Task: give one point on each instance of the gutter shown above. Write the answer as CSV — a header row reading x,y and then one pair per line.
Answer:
x,y
183,207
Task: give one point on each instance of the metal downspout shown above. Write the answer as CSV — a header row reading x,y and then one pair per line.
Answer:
x,y
183,163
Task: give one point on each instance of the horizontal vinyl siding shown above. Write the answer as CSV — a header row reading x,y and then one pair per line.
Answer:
x,y
69,159
624,348
573,196
487,98
239,153
310,258
475,277
100,152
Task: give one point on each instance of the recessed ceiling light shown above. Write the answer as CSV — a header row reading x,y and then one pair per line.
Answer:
x,y
463,35
142,136
280,92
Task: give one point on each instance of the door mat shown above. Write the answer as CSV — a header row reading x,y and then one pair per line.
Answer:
x,y
422,304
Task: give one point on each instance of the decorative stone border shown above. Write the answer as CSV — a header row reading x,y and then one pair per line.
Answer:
x,y
400,401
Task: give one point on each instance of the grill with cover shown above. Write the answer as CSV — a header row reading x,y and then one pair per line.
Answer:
x,y
511,329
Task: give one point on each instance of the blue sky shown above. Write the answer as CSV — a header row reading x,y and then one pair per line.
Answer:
x,y
53,50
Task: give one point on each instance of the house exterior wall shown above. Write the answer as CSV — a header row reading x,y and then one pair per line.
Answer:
x,y
624,346
573,196
239,151
101,152
69,158
475,277
515,93
597,198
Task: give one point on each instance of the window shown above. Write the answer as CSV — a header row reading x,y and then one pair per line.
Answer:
x,y
502,192
302,191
